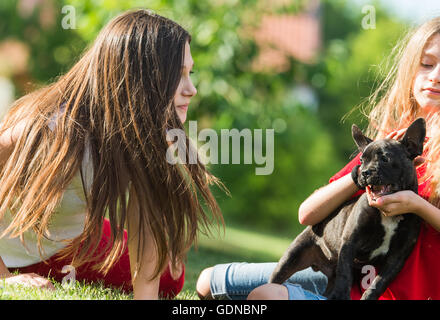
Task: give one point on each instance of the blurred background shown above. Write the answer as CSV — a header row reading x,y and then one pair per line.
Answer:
x,y
294,66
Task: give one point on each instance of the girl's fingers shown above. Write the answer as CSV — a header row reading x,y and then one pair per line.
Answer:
x,y
400,134
44,283
396,135
380,203
391,135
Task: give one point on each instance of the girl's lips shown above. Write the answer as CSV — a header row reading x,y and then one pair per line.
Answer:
x,y
183,107
432,91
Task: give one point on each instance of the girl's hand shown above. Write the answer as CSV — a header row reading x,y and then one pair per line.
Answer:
x,y
396,135
397,203
30,280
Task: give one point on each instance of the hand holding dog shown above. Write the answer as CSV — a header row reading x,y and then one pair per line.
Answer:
x,y
397,203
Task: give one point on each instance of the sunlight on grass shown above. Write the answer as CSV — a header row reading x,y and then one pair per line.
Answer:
x,y
74,291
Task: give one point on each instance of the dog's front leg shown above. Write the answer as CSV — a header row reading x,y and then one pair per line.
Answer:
x,y
344,273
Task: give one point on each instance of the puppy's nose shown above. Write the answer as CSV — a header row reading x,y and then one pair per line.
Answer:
x,y
366,173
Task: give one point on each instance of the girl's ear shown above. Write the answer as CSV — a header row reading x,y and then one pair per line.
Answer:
x,y
361,141
414,138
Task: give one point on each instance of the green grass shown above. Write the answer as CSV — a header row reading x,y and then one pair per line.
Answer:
x,y
75,291
235,246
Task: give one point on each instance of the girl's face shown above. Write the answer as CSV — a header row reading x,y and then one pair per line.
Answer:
x,y
426,88
185,90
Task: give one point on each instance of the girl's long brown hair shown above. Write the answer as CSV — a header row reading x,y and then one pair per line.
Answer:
x,y
394,104
119,95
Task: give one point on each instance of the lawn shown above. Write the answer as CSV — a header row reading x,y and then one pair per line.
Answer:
x,y
237,244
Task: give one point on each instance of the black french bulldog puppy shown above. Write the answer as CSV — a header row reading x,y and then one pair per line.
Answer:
x,y
355,234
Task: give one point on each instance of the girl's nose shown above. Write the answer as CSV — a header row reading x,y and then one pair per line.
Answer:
x,y
189,89
434,75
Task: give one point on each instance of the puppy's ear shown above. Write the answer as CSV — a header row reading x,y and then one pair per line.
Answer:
x,y
414,138
361,141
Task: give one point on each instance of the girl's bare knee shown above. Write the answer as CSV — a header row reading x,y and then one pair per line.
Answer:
x,y
270,291
203,287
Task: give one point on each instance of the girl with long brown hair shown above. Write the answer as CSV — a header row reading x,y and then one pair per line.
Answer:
x,y
85,157
410,90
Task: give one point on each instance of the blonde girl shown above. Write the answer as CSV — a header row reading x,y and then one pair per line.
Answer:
x,y
411,90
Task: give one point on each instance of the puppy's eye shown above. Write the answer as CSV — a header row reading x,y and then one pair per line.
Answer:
x,y
384,159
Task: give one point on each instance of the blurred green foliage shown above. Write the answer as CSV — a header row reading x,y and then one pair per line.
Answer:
x,y
311,142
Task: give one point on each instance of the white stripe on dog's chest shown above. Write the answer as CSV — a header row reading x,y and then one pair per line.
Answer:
x,y
389,224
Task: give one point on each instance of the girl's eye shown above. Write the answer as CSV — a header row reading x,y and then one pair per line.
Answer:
x,y
426,65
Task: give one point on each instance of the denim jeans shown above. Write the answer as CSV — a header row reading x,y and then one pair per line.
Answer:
x,y
235,281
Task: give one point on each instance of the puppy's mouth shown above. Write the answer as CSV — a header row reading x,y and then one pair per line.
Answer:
x,y
376,192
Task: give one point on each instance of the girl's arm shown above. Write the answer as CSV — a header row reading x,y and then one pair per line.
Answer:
x,y
428,212
144,288
7,143
325,200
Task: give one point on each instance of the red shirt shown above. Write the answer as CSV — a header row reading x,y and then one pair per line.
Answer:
x,y
420,277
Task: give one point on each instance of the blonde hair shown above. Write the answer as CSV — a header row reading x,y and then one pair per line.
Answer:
x,y
119,94
397,106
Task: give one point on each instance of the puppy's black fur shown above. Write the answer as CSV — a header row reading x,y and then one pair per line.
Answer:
x,y
356,234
